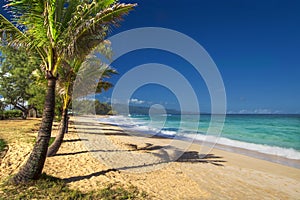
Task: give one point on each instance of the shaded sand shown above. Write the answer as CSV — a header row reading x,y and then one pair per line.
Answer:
x,y
95,155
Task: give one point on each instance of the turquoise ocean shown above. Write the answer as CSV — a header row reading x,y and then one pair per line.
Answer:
x,y
273,135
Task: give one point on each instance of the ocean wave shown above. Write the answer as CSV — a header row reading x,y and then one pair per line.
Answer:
x,y
141,126
261,148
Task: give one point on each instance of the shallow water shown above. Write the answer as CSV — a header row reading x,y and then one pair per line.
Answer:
x,y
275,135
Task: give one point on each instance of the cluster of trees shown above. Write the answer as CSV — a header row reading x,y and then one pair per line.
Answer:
x,y
23,86
21,82
61,34
93,107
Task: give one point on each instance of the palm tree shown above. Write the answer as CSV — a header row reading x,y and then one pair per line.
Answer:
x,y
56,30
66,83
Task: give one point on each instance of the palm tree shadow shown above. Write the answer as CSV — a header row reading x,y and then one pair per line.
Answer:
x,y
75,140
78,178
92,151
185,156
107,133
195,157
69,154
189,156
156,150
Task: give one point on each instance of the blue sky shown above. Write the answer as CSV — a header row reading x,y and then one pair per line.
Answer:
x,y
255,45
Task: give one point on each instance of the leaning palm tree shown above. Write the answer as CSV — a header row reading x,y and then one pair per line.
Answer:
x,y
66,83
56,30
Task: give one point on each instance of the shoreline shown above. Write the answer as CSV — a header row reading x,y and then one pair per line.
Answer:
x,y
262,156
295,163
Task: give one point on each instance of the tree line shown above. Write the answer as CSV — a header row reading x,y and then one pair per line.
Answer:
x,y
23,87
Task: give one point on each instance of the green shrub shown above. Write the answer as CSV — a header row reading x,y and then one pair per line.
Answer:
x,y
10,114
2,145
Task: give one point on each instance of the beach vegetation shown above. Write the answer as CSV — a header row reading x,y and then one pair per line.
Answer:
x,y
10,114
18,80
57,30
103,108
93,107
48,187
2,145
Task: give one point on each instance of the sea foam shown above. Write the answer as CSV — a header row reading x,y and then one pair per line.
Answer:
x,y
138,125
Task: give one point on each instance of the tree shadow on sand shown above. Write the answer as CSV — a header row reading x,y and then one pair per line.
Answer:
x,y
108,129
79,178
90,151
75,140
184,156
195,157
187,157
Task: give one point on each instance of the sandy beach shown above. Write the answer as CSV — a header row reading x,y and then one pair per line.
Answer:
x,y
96,154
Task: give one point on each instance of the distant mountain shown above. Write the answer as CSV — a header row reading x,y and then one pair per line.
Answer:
x,y
144,110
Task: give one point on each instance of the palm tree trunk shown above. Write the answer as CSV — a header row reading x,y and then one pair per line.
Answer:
x,y
35,163
52,150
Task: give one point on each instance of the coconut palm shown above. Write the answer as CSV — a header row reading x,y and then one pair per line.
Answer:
x,y
66,83
56,30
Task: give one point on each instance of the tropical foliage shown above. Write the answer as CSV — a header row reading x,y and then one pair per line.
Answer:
x,y
66,82
10,114
58,30
18,79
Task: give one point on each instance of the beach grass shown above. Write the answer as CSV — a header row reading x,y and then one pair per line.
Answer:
x,y
49,187
2,145
19,130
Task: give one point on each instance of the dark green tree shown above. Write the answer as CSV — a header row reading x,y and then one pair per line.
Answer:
x,y
17,78
102,108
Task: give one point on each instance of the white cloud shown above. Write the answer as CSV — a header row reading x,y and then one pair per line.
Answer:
x,y
136,101
106,99
262,111
255,111
244,111
114,101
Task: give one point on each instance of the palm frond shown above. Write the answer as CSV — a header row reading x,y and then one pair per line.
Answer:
x,y
83,37
103,86
62,30
104,49
90,77
10,34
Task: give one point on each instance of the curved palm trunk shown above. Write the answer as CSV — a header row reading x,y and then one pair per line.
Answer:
x,y
35,163
52,150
